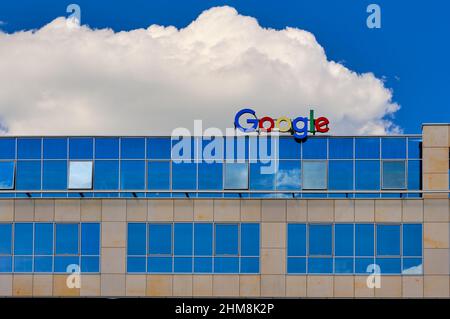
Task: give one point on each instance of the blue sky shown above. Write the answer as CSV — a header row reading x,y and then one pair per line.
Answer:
x,y
411,51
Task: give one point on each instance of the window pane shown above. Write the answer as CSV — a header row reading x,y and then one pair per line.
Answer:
x,y
250,265
28,175
210,176
226,239
340,175
160,238
262,175
43,264
132,148
367,148
412,240
43,242
158,175
182,264
5,239
343,265
66,239
184,176
132,175
106,148
249,239
203,265
183,148
5,264
289,148
320,237
106,175
28,148
412,266
23,263
320,265
159,264
296,240
183,237
136,264
203,239
23,239
6,175
80,148
394,176
80,175
341,148
288,175
414,175
90,239
55,148
314,174
367,175
393,147
389,265
90,264
54,175
315,148
296,265
226,265
62,263
362,264
7,148
237,148
414,147
388,240
137,239
364,239
158,148
343,240
236,175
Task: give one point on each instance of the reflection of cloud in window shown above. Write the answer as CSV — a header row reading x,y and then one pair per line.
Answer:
x,y
288,177
415,270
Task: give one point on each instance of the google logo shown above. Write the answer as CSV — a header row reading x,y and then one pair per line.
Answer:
x,y
299,126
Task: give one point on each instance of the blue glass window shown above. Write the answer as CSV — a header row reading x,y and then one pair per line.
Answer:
x,y
28,175
315,148
137,239
55,148
54,175
67,239
250,240
212,148
158,148
23,239
183,238
343,265
160,239
237,148
343,240
394,175
132,175
81,148
7,148
412,240
340,176
389,265
364,240
226,239
43,244
393,147
132,148
414,148
6,175
80,175
90,239
320,265
203,239
262,175
296,240
5,239
106,148
288,175
236,176
184,176
367,148
341,148
289,148
210,176
414,175
367,174
158,174
28,148
314,175
320,240
183,148
106,175
388,240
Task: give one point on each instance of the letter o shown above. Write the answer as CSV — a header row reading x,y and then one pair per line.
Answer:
x,y
281,120
264,120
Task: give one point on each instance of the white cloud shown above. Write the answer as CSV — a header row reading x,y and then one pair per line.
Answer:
x,y
66,80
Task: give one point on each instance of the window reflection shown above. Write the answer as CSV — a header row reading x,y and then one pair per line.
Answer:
x,y
236,175
394,176
6,175
314,174
80,175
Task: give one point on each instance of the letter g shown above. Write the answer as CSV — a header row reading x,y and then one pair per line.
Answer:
x,y
254,121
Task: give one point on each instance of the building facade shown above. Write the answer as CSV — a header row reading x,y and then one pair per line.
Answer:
x,y
121,216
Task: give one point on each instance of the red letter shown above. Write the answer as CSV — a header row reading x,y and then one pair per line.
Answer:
x,y
266,119
322,124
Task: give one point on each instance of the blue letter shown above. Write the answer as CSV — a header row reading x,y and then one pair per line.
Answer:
x,y
249,121
303,130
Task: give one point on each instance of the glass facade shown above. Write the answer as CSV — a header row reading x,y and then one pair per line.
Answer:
x,y
333,167
352,248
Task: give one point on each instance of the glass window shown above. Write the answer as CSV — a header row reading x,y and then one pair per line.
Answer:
x,y
249,239
367,175
226,241
320,240
288,175
364,240
389,265
107,148
28,148
314,174
210,176
158,148
6,175
159,264
183,148
388,240
343,240
412,266
80,148
343,265
262,175
80,175
90,239
393,147
320,265
296,240
367,148
43,264
341,148
28,175
296,265
203,239
132,175
315,148
132,148
43,243
226,265
158,175
414,147
212,148
394,175
412,240
237,148
160,239
236,175
67,239
106,175
289,148
137,239
55,148
5,239
184,176
183,237
340,176
23,239
7,148
54,175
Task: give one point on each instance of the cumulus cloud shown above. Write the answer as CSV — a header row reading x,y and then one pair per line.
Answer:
x,y
66,80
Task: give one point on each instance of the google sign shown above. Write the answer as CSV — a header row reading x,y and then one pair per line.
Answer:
x,y
299,127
